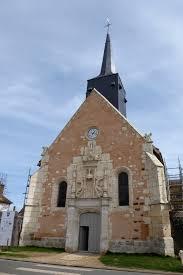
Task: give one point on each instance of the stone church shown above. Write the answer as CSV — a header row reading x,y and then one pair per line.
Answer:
x,y
100,185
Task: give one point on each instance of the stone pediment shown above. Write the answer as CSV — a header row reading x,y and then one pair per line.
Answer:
x,y
90,173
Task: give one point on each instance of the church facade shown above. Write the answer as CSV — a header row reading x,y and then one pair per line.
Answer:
x,y
100,185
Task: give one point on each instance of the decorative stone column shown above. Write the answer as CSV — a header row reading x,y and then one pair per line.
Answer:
x,y
104,237
72,227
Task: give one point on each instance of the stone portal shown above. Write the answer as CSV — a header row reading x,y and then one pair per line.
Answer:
x,y
89,177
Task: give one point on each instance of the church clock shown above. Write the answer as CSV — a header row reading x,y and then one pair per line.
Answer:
x,y
92,133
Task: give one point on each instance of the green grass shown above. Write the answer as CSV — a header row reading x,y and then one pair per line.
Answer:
x,y
143,261
15,255
27,251
35,249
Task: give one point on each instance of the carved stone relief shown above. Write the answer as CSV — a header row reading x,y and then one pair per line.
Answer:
x,y
90,173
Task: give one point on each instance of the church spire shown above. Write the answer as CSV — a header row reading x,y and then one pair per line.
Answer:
x,y
107,64
108,82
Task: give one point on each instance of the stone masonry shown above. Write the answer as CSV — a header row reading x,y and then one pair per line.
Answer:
x,y
91,170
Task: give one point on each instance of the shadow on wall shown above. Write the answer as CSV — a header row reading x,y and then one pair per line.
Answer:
x,y
177,232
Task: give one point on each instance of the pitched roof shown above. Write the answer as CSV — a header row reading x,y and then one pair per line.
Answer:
x,y
4,200
154,160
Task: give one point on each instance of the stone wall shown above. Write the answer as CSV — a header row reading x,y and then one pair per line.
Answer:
x,y
121,145
158,246
47,242
91,171
160,228
33,204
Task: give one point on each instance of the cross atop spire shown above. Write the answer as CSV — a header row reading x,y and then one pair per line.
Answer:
x,y
108,24
107,64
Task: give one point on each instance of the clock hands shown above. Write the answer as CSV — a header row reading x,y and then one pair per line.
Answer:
x,y
92,133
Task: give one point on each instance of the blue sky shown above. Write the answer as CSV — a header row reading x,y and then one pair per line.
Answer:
x,y
48,50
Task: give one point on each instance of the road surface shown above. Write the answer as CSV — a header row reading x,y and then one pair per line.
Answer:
x,y
8,267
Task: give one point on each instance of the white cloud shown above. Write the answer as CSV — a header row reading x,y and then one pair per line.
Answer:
x,y
48,51
31,105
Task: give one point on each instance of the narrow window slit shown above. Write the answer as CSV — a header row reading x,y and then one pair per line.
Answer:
x,y
123,189
62,191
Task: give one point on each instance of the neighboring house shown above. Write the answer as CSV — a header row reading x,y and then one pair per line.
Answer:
x,y
6,219
6,227
4,202
101,184
10,221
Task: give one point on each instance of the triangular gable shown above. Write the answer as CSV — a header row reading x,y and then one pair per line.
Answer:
x,y
98,94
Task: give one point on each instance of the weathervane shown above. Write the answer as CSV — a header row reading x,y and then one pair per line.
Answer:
x,y
107,25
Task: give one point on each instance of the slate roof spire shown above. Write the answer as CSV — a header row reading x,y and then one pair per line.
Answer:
x,y
108,82
107,64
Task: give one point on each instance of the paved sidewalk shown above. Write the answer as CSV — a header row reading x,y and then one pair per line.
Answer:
x,y
77,259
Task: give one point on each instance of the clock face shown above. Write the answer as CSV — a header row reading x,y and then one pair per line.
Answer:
x,y
92,133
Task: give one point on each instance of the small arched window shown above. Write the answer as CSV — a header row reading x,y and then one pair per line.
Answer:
x,y
123,190
62,191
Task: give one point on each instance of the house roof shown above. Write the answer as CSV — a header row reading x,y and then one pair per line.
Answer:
x,y
4,200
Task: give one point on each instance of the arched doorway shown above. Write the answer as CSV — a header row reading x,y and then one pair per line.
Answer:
x,y
89,232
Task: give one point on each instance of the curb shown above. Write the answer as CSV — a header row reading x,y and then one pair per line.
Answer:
x,y
98,268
